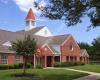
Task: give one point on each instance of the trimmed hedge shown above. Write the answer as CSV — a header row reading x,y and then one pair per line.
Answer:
x,y
68,64
14,66
4,66
39,66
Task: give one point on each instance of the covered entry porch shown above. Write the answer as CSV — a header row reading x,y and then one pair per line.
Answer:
x,y
44,61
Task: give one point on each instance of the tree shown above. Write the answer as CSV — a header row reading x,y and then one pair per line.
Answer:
x,y
86,46
25,48
72,11
93,50
96,45
96,48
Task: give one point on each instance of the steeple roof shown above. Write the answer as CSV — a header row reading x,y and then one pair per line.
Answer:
x,y
30,15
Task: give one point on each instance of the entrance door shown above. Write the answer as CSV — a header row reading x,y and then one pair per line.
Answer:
x,y
49,61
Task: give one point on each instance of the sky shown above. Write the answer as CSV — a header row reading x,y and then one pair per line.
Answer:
x,y
13,13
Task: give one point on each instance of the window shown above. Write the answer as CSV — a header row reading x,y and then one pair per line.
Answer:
x,y
4,59
71,47
33,23
27,23
17,57
45,49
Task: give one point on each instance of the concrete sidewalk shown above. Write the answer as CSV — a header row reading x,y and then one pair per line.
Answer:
x,y
89,77
92,76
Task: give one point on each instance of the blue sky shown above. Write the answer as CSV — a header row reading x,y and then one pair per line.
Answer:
x,y
13,13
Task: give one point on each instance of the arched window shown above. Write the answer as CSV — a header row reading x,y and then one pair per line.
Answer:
x,y
71,47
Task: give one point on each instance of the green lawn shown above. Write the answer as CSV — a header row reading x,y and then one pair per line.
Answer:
x,y
44,74
88,67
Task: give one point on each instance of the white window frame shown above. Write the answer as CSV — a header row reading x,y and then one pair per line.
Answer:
x,y
71,46
17,59
4,59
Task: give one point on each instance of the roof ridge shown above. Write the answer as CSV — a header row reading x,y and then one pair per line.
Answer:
x,y
31,29
61,35
5,30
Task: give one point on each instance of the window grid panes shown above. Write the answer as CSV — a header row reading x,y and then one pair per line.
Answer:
x,y
4,59
17,57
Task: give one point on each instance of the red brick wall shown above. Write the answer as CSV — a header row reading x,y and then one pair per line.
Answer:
x,y
65,49
0,58
47,52
11,58
21,59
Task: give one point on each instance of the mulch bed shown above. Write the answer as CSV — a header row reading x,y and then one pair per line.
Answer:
x,y
27,75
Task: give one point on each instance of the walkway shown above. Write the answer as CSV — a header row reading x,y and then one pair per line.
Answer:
x,y
92,76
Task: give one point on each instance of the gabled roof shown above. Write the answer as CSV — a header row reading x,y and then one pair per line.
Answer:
x,y
30,15
56,49
5,49
58,40
13,36
32,31
84,52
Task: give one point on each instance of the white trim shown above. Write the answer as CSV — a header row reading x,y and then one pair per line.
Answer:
x,y
41,32
8,43
47,46
4,59
34,61
66,40
60,58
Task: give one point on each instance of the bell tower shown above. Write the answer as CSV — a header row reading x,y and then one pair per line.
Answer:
x,y
30,20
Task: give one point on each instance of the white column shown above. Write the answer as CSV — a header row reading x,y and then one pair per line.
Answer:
x,y
60,58
34,61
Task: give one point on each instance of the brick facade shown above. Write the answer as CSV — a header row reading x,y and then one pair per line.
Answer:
x,y
66,52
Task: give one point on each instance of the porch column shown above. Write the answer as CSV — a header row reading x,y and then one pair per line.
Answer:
x,y
53,61
34,61
78,58
60,58
45,61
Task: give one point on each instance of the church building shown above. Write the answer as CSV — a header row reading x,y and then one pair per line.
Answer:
x,y
51,48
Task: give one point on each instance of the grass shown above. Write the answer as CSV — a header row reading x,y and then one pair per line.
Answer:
x,y
44,74
88,67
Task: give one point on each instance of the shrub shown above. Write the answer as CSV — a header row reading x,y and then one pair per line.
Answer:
x,y
57,64
29,65
3,66
11,66
39,67
16,66
68,64
82,63
20,65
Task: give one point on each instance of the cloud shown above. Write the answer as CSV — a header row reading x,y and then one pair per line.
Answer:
x,y
24,5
